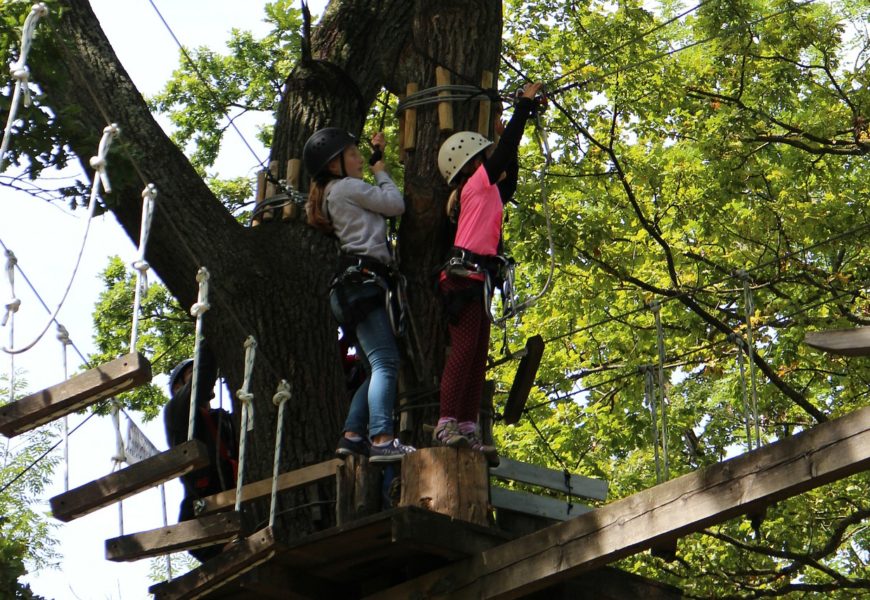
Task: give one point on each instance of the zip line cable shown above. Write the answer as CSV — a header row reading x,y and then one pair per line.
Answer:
x,y
207,85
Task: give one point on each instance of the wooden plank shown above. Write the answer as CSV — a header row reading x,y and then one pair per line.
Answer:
x,y
534,504
259,489
445,109
187,535
524,379
848,342
222,569
77,392
584,487
825,453
410,122
122,484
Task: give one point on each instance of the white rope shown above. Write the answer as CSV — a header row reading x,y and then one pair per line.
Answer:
x,y
168,557
660,341
21,74
99,163
197,310
246,398
750,351
119,457
280,400
149,194
63,338
9,317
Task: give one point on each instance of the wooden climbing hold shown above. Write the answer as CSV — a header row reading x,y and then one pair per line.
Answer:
x,y
119,375
484,116
524,379
187,535
445,109
259,197
291,210
410,139
131,480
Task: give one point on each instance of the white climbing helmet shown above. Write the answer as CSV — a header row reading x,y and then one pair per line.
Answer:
x,y
457,150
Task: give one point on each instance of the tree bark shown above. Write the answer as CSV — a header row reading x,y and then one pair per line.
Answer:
x,y
271,281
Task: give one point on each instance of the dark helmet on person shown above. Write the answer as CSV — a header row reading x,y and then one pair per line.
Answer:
x,y
324,145
178,371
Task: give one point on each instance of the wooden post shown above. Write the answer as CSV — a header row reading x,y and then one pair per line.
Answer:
x,y
449,481
294,168
445,109
258,198
358,490
402,131
270,190
484,119
410,127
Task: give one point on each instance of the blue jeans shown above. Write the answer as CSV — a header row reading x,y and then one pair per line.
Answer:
x,y
372,406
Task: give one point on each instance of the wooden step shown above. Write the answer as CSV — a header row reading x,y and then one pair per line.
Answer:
x,y
131,480
79,391
187,535
259,489
535,504
848,342
585,487
524,379
230,564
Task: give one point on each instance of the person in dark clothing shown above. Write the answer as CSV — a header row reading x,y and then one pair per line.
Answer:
x,y
212,426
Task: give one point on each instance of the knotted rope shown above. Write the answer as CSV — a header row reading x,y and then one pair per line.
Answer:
x,y
246,398
280,400
149,194
197,310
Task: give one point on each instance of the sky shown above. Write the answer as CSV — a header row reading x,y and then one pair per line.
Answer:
x,y
46,238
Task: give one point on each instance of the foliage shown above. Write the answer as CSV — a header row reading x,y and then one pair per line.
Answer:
x,y
165,332
25,532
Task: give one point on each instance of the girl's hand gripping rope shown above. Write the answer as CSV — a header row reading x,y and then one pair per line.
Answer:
x,y
378,144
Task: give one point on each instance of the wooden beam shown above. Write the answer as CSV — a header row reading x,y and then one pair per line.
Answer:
x,y
222,569
187,535
585,487
534,504
77,392
825,453
131,480
848,342
524,379
259,489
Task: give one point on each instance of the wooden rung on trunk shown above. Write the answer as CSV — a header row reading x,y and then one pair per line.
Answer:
x,y
187,535
217,572
409,126
848,342
131,480
258,489
484,117
82,390
445,109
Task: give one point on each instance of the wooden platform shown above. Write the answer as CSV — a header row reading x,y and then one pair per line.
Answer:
x,y
77,392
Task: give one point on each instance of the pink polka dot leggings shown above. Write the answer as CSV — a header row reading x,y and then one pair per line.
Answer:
x,y
465,369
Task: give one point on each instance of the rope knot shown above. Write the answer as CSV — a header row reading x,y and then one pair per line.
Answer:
x,y
39,9
199,308
97,163
11,308
140,265
244,396
20,72
63,335
283,393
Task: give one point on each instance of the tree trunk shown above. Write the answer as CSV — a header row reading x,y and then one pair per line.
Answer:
x,y
271,281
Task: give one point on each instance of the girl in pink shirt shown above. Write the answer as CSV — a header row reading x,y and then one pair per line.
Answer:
x,y
483,183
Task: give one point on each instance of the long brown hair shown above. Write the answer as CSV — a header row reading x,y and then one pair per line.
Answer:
x,y
453,202
317,217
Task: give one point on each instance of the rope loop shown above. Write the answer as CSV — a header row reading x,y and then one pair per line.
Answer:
x,y
63,335
98,162
201,305
283,394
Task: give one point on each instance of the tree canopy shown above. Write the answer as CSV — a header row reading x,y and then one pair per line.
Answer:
x,y
708,168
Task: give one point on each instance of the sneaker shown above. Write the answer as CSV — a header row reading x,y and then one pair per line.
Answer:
x,y
447,434
490,452
392,452
347,447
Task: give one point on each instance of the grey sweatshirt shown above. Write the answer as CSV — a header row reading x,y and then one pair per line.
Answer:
x,y
357,212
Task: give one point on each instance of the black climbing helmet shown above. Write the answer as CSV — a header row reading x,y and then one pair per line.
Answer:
x,y
324,145
178,371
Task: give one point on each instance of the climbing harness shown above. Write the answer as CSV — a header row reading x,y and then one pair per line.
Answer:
x,y
197,310
149,194
749,310
21,74
280,400
246,398
98,162
660,342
